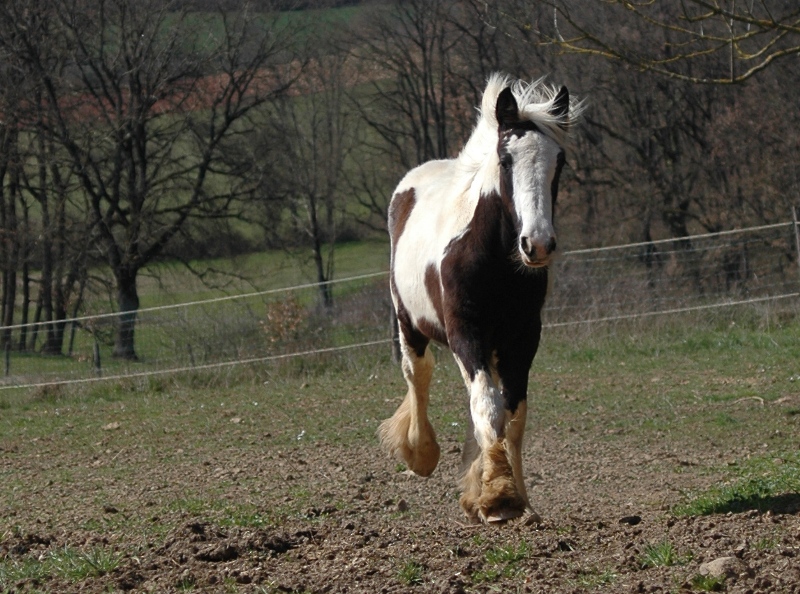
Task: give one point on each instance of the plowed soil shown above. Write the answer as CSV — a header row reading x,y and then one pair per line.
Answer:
x,y
316,516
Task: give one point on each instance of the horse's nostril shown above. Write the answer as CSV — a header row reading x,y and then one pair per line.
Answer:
x,y
537,251
527,245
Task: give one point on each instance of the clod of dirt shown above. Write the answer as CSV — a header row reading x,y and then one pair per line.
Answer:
x,y
217,552
130,580
197,528
723,567
630,520
566,546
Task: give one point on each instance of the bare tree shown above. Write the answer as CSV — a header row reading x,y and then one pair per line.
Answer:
x,y
411,108
147,111
701,41
305,149
36,175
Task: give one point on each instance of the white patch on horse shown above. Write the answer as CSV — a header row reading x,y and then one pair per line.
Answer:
x,y
438,215
488,414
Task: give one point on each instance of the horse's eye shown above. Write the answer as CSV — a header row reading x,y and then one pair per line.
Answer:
x,y
506,161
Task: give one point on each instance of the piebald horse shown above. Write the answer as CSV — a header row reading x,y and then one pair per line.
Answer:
x,y
471,240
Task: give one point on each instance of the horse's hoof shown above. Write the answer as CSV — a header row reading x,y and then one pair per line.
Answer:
x,y
501,516
532,518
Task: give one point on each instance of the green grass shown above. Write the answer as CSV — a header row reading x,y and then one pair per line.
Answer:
x,y
170,283
225,330
411,573
708,583
502,562
596,578
661,554
66,562
760,483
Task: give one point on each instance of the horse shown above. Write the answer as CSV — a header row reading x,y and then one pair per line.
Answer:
x,y
471,241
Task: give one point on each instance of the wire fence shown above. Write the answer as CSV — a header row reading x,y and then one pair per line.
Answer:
x,y
759,265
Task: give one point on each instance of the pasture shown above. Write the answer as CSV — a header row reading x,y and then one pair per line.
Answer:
x,y
652,448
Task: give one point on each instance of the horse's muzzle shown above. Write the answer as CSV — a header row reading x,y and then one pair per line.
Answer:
x,y
536,254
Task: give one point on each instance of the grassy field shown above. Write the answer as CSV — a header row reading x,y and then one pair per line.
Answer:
x,y
135,460
173,284
166,284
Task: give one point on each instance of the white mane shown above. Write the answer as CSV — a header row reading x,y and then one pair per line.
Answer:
x,y
535,101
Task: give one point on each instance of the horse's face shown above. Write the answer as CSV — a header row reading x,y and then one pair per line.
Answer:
x,y
530,165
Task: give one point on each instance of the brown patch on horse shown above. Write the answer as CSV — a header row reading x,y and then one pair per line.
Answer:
x,y
399,211
416,339
434,288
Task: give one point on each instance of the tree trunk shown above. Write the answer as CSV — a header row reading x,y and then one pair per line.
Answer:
x,y
324,284
316,245
11,232
128,302
26,292
37,316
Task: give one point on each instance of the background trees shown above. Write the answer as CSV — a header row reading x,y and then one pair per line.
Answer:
x,y
140,111
305,148
700,41
132,131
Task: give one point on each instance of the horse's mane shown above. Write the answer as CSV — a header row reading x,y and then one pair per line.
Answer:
x,y
535,102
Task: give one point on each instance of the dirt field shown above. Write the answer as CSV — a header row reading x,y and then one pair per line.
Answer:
x,y
171,488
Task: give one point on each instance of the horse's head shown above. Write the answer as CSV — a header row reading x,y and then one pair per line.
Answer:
x,y
530,164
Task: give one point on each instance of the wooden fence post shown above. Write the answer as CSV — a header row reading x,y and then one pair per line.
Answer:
x,y
96,359
796,235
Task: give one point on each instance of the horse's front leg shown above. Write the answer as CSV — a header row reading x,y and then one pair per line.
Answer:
x,y
490,492
513,366
408,434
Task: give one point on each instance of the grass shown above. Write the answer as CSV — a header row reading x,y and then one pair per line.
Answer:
x,y
170,283
65,562
708,583
411,573
502,562
760,483
596,578
77,565
661,554
258,325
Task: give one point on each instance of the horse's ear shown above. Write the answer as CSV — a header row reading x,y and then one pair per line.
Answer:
x,y
507,110
560,108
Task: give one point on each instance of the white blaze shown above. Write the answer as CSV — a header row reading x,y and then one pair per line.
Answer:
x,y
534,156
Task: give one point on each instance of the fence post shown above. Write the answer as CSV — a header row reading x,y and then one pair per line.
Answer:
x,y
7,358
96,359
796,235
